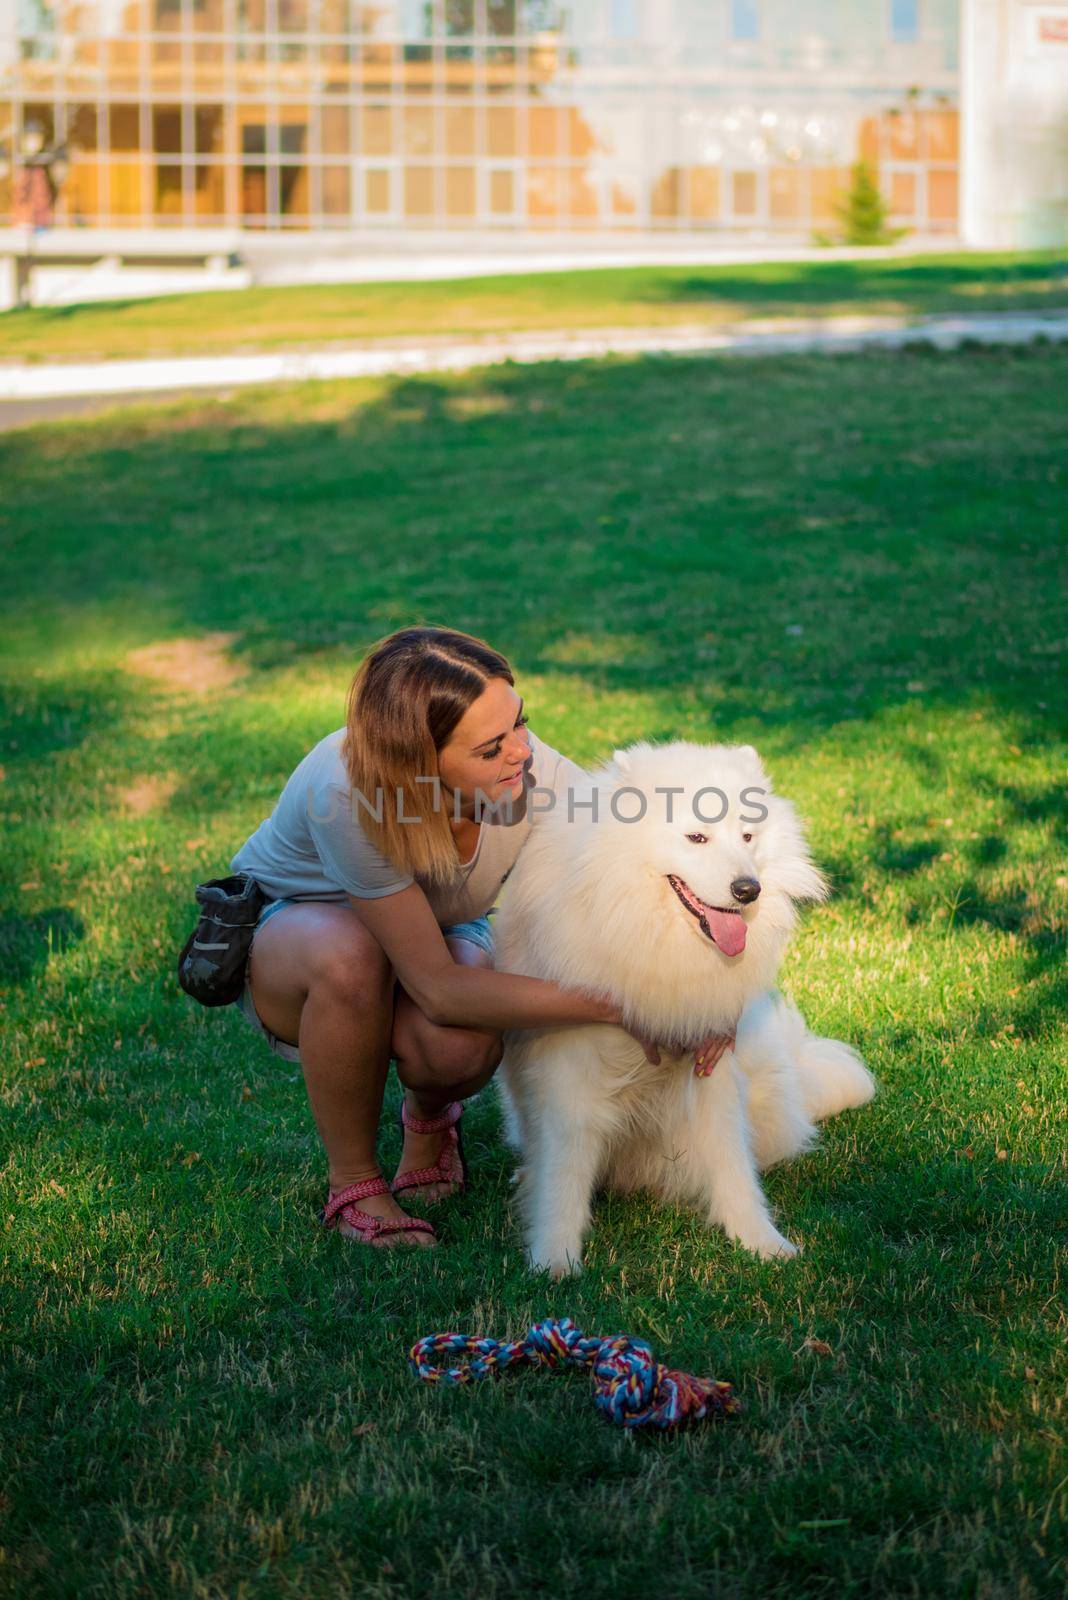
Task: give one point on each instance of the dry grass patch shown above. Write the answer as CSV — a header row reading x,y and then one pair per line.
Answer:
x,y
148,793
190,666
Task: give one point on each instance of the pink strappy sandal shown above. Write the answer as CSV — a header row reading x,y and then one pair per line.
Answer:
x,y
369,1228
450,1167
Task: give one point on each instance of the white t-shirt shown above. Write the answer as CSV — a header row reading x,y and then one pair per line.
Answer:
x,y
313,847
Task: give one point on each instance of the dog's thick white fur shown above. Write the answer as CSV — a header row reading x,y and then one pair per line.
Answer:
x,y
590,905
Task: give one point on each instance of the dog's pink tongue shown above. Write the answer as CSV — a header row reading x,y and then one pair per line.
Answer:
x,y
728,930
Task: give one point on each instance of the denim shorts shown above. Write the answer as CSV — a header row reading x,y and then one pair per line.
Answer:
x,y
477,932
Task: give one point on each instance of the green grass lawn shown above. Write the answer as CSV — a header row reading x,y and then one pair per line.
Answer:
x,y
852,563
711,297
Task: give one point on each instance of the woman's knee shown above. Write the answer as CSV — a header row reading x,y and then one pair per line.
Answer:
x,y
450,1058
354,972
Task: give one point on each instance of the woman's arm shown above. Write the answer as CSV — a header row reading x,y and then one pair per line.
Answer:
x,y
459,996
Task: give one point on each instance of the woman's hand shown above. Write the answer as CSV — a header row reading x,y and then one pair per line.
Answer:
x,y
650,1046
709,1051
705,1054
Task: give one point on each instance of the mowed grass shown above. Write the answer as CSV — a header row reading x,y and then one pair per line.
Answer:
x,y
852,562
706,297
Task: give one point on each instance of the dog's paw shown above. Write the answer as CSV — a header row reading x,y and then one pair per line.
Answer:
x,y
519,1174
770,1245
557,1266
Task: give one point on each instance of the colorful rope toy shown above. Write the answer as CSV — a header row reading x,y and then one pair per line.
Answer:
x,y
630,1386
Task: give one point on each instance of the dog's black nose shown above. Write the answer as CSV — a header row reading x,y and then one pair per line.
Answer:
x,y
745,890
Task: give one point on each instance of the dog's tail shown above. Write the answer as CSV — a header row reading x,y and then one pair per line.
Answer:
x,y
833,1076
795,1078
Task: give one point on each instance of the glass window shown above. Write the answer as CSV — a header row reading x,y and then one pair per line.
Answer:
x,y
542,131
543,193
378,191
254,139
623,19
254,192
745,19
785,194
416,19
168,200
168,17
500,17
418,130
124,189
419,191
376,72
292,138
942,197
459,17
292,16
459,191
209,191
704,193
167,130
209,125
941,130
580,195
538,16
40,117
81,127
336,198
293,191
624,190
904,136
582,140
665,199
460,68
377,129
744,193
905,21
335,130
903,194
501,192
81,192
124,128
501,131
460,130
828,187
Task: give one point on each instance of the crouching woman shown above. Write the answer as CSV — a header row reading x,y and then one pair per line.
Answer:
x,y
386,849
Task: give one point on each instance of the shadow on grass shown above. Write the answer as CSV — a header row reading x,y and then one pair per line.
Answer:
x,y
42,718
27,941
916,285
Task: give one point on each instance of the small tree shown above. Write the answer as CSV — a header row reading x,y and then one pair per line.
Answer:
x,y
863,213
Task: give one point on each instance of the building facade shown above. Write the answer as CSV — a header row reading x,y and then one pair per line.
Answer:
x,y
740,117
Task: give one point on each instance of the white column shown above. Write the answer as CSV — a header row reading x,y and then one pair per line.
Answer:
x,y
1014,123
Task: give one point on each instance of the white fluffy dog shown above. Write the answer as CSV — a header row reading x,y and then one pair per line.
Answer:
x,y
683,921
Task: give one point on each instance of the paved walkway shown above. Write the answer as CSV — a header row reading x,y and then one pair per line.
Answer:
x,y
25,387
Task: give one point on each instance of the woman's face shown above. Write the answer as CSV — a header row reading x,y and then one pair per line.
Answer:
x,y
488,746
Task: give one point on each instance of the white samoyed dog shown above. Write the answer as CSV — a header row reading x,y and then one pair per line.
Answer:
x,y
684,922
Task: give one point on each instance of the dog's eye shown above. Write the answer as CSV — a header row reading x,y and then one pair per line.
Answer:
x,y
697,838
747,838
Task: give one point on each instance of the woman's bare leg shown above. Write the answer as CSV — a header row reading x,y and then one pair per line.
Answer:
x,y
437,1065
320,980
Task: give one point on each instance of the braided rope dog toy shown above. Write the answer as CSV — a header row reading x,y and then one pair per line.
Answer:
x,y
630,1386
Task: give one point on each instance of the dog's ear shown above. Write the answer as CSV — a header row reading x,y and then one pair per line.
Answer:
x,y
749,757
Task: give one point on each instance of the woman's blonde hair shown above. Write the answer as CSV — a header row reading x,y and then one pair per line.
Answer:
x,y
408,695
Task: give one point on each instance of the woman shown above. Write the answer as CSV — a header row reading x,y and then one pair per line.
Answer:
x,y
388,845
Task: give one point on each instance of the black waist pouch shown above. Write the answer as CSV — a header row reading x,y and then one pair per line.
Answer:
x,y
211,966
